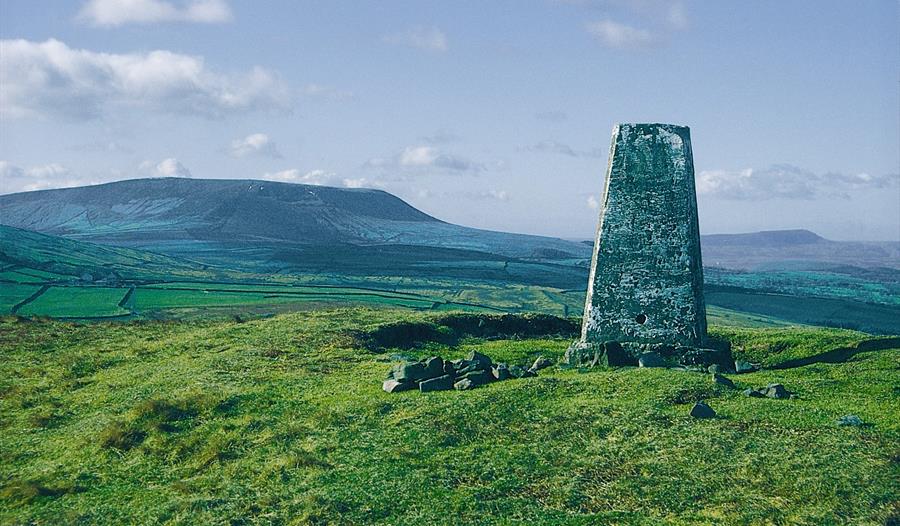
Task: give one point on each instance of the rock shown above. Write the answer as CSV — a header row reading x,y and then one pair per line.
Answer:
x,y
753,393
408,372
500,371
714,369
850,420
519,372
741,367
483,361
776,391
540,363
478,377
393,386
463,384
704,357
701,410
651,359
434,367
718,379
441,383
614,355
449,369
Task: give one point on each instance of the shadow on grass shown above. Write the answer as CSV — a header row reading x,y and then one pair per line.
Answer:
x,y
841,354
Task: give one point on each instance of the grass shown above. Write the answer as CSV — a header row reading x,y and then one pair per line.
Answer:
x,y
282,421
77,302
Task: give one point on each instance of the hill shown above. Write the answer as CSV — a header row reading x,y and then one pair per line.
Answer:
x,y
254,221
283,421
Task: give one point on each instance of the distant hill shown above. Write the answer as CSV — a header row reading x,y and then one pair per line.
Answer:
x,y
206,216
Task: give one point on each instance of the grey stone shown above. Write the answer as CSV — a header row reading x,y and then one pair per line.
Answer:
x,y
449,369
434,367
754,393
741,367
393,386
702,410
500,371
441,383
408,372
540,363
520,372
850,420
718,379
776,391
651,359
483,361
478,377
714,369
464,384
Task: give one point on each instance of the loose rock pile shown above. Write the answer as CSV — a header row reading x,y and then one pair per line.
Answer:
x,y
769,391
437,374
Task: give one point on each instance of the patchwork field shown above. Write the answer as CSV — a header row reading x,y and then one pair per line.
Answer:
x,y
283,421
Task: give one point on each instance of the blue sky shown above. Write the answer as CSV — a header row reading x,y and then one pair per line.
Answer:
x,y
488,114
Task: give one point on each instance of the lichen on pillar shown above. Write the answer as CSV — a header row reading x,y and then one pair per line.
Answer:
x,y
646,281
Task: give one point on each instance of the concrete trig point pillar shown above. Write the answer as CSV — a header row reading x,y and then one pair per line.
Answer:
x,y
646,283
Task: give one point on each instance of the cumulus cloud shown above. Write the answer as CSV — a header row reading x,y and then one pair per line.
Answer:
x,y
425,159
50,78
14,178
111,13
420,37
615,34
315,177
561,149
254,144
170,167
787,182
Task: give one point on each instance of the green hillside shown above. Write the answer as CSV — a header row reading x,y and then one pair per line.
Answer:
x,y
283,421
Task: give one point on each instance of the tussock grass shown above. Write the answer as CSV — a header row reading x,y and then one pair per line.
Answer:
x,y
283,421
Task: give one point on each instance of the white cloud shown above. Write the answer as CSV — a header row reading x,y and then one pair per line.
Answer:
x,y
316,177
592,202
786,182
561,149
110,13
420,37
50,78
614,34
425,159
254,144
170,167
14,178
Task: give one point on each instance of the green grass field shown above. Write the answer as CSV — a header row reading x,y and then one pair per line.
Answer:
x,y
77,302
283,421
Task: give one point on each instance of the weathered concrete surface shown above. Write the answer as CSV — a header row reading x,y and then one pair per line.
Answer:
x,y
646,280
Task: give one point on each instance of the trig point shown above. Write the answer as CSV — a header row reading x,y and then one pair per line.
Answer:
x,y
646,283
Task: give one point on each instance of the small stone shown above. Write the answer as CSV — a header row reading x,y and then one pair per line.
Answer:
x,y
701,410
483,361
408,372
441,383
714,369
753,393
500,371
850,420
651,359
478,377
463,384
540,363
393,386
434,367
741,367
718,379
776,391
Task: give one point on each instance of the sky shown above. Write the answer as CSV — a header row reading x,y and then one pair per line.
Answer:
x,y
492,114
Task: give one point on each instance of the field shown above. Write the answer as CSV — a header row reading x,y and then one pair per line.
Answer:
x,y
283,421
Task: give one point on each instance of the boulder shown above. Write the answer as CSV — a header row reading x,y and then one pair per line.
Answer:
x,y
701,410
651,359
408,372
540,363
483,361
776,391
741,367
441,383
500,371
718,379
463,384
393,386
614,355
520,372
754,393
850,420
449,369
434,367
478,377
